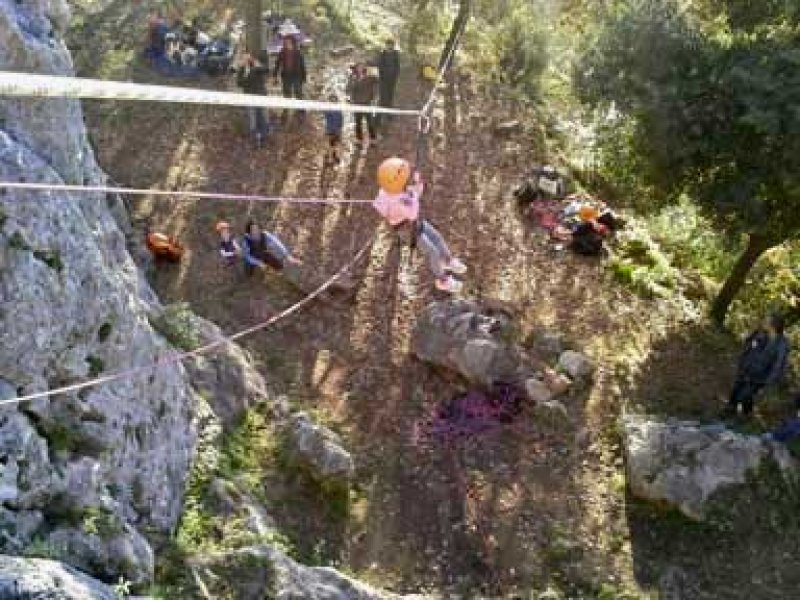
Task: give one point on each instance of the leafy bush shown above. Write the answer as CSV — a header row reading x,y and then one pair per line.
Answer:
x,y
176,323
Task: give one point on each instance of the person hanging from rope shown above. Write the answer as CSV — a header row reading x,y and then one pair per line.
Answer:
x,y
261,249
251,77
291,67
398,203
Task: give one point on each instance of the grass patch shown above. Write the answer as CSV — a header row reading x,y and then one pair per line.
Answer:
x,y
96,365
176,323
52,258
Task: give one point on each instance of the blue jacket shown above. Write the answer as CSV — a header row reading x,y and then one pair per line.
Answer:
x,y
334,121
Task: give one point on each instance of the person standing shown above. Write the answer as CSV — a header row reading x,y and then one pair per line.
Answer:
x,y
291,67
388,73
362,88
251,78
762,363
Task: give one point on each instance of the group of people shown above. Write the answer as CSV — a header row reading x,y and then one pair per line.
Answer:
x,y
367,84
258,249
183,48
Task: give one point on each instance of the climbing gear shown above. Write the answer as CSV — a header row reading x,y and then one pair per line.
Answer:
x,y
393,175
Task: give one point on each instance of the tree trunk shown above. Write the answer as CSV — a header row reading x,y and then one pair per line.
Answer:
x,y
464,9
756,246
253,41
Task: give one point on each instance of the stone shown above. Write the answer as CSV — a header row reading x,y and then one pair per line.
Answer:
x,y
576,365
556,382
548,345
319,450
684,463
257,572
459,336
537,391
48,580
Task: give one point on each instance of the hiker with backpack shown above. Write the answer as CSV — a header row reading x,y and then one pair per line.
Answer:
x,y
398,203
762,364
251,78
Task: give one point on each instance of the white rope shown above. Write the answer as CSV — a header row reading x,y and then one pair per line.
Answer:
x,y
51,86
58,187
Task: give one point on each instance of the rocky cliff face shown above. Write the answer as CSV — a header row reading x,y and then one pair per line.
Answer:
x,y
81,475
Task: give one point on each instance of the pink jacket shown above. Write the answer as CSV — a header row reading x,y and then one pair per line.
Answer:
x,y
398,208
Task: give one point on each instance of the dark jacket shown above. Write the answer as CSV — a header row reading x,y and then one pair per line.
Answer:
x,y
291,65
252,80
389,65
763,358
362,90
334,121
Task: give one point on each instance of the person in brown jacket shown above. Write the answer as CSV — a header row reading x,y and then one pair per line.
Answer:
x,y
362,89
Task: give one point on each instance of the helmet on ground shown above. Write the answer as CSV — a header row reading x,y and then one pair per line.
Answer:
x,y
588,213
393,175
222,226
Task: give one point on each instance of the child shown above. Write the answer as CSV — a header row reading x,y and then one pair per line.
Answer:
x,y
228,247
398,203
334,123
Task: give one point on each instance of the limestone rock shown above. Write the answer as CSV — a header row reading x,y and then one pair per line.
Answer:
x,y
318,449
48,580
538,391
576,365
265,572
685,463
459,336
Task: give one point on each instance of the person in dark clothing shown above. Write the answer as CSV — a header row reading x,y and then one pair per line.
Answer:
x,y
362,88
251,78
261,249
762,363
291,67
388,72
334,123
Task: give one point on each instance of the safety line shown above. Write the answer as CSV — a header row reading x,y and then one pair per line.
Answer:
x,y
179,357
14,185
54,86
445,67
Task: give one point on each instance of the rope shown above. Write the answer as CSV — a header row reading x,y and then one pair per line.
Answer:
x,y
152,192
180,357
51,86
444,68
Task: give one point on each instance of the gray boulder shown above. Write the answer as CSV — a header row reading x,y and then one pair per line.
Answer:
x,y
685,463
459,336
319,450
40,579
259,572
576,365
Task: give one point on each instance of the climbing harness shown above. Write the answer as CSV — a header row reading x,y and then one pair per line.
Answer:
x,y
176,358
57,187
53,86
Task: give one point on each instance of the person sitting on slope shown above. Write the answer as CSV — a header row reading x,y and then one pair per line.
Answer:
x,y
262,249
228,247
398,203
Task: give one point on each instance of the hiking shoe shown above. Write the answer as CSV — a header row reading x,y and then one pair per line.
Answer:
x,y
457,267
449,284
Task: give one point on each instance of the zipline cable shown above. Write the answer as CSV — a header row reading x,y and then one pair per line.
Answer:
x,y
14,185
54,86
180,357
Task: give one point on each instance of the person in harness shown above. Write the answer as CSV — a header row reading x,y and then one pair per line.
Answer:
x,y
398,203
261,249
762,363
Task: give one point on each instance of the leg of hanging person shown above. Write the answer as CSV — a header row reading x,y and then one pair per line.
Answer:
x,y
428,245
430,232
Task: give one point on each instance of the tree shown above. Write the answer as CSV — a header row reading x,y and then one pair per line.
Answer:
x,y
714,112
464,10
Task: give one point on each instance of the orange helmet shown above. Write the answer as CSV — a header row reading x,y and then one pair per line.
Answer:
x,y
588,213
222,226
393,175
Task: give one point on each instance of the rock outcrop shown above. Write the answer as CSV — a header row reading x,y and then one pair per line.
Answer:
x,y
686,463
48,580
319,451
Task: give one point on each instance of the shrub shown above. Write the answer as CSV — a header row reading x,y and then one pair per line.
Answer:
x,y
176,324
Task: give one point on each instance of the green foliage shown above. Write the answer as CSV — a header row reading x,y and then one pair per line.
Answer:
x,y
17,242
639,263
96,365
176,323
41,548
104,332
52,258
99,522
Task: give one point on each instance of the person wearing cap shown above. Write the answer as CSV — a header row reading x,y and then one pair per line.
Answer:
x,y
290,66
388,72
228,246
762,364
